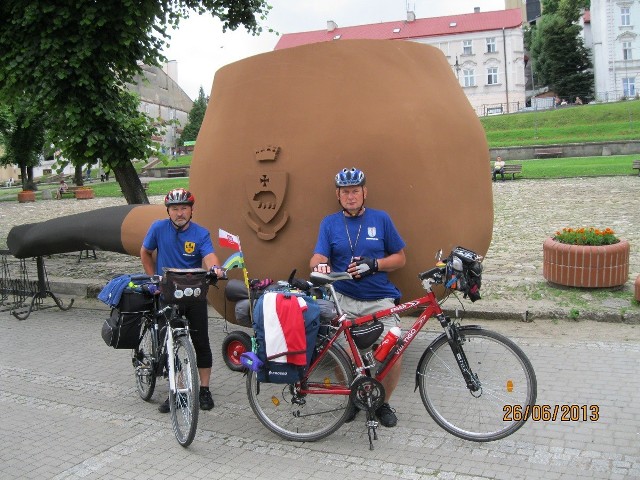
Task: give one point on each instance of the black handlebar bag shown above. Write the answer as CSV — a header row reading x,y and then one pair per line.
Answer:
x,y
184,286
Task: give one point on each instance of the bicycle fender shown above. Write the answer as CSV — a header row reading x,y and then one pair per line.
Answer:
x,y
437,339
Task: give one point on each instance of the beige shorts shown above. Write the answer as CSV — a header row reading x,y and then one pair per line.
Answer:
x,y
355,308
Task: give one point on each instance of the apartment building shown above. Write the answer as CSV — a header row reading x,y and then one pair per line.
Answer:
x,y
616,48
485,51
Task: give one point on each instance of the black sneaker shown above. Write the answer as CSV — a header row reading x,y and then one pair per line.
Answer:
x,y
206,401
164,407
352,414
387,415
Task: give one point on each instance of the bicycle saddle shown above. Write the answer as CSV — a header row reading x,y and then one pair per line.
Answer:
x,y
319,279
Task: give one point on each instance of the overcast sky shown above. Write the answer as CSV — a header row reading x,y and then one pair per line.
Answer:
x,y
200,47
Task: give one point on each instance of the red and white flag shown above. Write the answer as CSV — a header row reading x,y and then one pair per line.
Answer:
x,y
228,240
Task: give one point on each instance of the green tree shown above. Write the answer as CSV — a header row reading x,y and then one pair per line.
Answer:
x,y
560,59
196,115
22,135
73,59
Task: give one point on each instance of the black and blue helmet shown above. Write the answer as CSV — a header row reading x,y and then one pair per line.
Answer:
x,y
350,177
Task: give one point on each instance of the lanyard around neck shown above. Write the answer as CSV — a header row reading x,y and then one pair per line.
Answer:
x,y
353,245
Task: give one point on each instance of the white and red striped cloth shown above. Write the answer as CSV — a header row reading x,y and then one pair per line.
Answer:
x,y
284,329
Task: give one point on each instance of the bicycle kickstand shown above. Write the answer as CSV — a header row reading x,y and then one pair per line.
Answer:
x,y
372,424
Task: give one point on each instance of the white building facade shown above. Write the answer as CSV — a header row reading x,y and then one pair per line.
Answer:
x,y
615,31
485,51
489,66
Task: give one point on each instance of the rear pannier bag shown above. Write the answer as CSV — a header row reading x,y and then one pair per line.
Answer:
x,y
294,325
122,330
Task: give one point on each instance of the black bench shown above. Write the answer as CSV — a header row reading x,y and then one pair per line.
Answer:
x,y
547,152
510,169
176,172
636,166
71,192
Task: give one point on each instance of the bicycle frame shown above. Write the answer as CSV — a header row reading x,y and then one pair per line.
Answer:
x,y
170,334
432,308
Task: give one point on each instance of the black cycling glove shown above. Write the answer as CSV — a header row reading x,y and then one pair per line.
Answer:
x,y
365,266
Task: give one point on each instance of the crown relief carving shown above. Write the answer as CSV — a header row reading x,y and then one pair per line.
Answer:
x,y
267,154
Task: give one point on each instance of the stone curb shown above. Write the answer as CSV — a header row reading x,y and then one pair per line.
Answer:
x,y
91,288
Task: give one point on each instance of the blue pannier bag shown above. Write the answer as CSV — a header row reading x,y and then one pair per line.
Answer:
x,y
288,373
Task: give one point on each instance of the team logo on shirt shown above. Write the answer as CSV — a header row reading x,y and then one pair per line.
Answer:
x,y
371,232
189,247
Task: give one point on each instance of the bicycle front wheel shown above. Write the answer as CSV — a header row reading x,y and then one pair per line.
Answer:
x,y
507,384
309,416
184,402
144,360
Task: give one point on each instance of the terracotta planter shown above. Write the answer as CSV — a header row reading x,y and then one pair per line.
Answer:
x,y
26,196
84,193
586,266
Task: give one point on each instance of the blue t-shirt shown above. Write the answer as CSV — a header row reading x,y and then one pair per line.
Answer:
x,y
184,249
372,235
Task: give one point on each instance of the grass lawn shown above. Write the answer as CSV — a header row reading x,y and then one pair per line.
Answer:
x,y
574,124
577,166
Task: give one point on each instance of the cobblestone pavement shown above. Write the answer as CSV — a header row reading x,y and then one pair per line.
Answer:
x,y
70,410
526,212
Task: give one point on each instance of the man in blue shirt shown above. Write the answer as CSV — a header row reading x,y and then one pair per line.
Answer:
x,y
180,243
365,243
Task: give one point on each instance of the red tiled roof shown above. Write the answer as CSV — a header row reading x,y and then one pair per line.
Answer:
x,y
586,16
419,28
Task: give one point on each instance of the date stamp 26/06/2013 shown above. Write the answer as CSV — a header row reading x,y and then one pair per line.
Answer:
x,y
551,413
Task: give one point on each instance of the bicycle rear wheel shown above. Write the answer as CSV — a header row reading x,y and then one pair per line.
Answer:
x,y
305,417
505,374
144,360
184,402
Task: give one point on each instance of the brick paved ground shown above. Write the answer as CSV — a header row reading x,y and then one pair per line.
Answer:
x,y
70,410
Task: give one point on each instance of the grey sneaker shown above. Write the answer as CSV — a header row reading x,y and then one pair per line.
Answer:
x,y
387,415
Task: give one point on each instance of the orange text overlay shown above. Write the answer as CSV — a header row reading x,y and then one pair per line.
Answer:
x,y
551,413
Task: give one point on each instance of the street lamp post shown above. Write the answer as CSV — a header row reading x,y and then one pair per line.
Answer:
x,y
457,67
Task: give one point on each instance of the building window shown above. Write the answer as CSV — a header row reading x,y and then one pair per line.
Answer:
x,y
629,87
444,48
492,75
626,51
466,47
491,45
625,16
469,77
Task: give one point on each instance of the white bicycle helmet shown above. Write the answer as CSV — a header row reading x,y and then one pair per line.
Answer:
x,y
350,177
179,196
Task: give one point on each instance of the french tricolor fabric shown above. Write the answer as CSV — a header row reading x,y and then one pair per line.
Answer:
x,y
284,328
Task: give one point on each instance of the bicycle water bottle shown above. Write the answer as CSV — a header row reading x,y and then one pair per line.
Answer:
x,y
390,339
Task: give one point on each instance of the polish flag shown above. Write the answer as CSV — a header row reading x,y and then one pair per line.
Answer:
x,y
228,240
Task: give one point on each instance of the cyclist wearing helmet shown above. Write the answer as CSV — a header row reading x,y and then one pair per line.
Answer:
x,y
365,243
180,243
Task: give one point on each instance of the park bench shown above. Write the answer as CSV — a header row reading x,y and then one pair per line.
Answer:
x,y
510,169
547,152
71,192
176,172
636,166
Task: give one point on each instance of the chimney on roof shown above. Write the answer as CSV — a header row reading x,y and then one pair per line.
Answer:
x,y
331,25
476,9
411,16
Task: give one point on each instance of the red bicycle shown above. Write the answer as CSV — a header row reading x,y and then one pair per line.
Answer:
x,y
468,376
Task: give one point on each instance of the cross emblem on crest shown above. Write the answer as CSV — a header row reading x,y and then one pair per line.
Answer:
x,y
264,179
